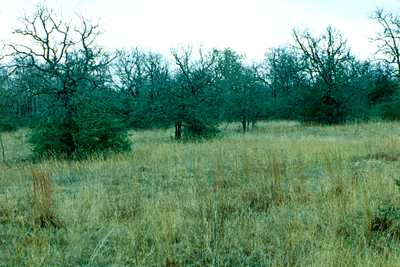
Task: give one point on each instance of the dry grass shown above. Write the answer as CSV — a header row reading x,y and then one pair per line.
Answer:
x,y
43,191
282,195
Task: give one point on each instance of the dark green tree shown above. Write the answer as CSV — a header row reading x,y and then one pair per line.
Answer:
x,y
384,98
282,72
191,101
241,90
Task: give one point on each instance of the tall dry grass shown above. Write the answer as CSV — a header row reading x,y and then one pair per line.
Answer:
x,y
283,194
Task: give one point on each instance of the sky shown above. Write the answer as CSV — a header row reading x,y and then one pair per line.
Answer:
x,y
249,27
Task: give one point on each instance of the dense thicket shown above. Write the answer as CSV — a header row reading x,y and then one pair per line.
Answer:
x,y
82,99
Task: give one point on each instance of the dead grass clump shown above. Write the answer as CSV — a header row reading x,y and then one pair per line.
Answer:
x,y
386,221
43,196
172,262
267,188
261,197
7,212
380,224
225,183
383,226
383,156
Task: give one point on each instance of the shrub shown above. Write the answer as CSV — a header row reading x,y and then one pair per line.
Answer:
x,y
382,90
389,109
95,129
197,129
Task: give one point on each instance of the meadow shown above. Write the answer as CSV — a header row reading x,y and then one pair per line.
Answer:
x,y
283,194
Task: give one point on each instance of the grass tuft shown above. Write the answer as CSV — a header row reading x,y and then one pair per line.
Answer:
x,y
43,195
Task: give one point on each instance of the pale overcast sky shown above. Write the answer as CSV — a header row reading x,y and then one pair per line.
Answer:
x,y
247,26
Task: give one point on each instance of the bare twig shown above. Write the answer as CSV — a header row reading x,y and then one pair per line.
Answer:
x,y
100,245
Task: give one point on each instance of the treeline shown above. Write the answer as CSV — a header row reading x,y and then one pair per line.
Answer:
x,y
79,98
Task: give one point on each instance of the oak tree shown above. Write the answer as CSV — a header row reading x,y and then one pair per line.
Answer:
x,y
328,62
73,73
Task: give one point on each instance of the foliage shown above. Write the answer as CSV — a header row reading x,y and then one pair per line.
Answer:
x,y
58,70
389,109
282,72
382,90
8,120
242,93
322,107
99,130
141,78
197,129
191,100
95,129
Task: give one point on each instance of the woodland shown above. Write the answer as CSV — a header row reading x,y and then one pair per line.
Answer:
x,y
78,98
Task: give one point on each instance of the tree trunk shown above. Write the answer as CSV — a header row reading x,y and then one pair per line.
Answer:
x,y
244,124
330,108
178,129
69,140
244,121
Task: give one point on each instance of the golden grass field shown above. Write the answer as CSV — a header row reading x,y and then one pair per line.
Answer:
x,y
283,194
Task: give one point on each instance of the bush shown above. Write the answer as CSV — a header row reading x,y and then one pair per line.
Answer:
x,y
382,90
197,129
321,107
389,109
95,129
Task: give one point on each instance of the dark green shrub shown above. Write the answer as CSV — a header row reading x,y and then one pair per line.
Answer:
x,y
321,106
389,109
99,130
49,138
197,129
95,129
382,90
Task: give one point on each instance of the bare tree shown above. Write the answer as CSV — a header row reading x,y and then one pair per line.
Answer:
x,y
141,77
282,72
388,39
130,70
65,56
328,64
